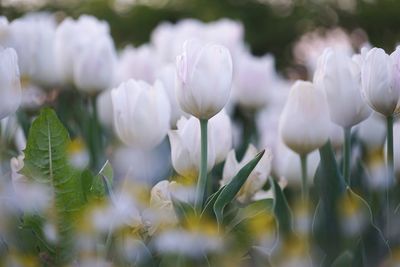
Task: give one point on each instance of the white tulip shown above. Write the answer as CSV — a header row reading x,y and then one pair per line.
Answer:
x,y
185,143
379,76
32,36
257,177
167,76
185,147
304,124
372,132
94,68
72,37
339,77
139,63
254,81
141,113
10,86
105,110
161,211
204,78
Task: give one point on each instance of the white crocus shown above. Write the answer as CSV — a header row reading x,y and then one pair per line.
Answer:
x,y
380,80
304,124
10,86
257,177
185,143
204,78
339,77
141,113
94,68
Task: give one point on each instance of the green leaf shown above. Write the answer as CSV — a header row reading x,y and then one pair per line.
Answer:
x,y
46,162
102,182
250,211
229,192
344,260
281,209
330,187
208,207
182,209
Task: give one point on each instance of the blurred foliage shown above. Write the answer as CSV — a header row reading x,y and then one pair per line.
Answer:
x,y
270,26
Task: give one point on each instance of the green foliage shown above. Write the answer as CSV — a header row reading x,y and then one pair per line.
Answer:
x,y
281,209
229,192
46,162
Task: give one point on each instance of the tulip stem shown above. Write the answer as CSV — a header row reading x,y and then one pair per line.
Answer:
x,y
347,155
304,182
202,180
390,167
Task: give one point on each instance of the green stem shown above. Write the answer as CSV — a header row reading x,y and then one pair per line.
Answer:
x,y
390,169
304,182
347,155
94,134
202,180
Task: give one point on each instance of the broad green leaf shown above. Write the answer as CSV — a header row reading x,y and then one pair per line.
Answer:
x,y
281,209
183,210
46,162
344,260
208,207
251,211
229,192
330,187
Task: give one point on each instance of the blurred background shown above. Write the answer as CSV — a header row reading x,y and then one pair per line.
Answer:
x,y
272,26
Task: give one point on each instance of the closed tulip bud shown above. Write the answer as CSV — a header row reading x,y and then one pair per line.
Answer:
x,y
10,86
94,68
339,77
185,143
141,113
304,124
204,78
379,76
257,177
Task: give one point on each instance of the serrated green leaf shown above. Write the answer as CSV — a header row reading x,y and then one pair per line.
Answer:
x,y
281,209
229,192
46,162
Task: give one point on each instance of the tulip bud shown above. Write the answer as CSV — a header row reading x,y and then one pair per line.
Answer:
x,y
339,77
10,86
204,78
304,124
94,68
141,113
257,177
379,76
185,143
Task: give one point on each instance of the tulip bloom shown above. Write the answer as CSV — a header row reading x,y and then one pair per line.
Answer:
x,y
380,80
339,77
304,123
185,143
10,86
141,113
204,78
